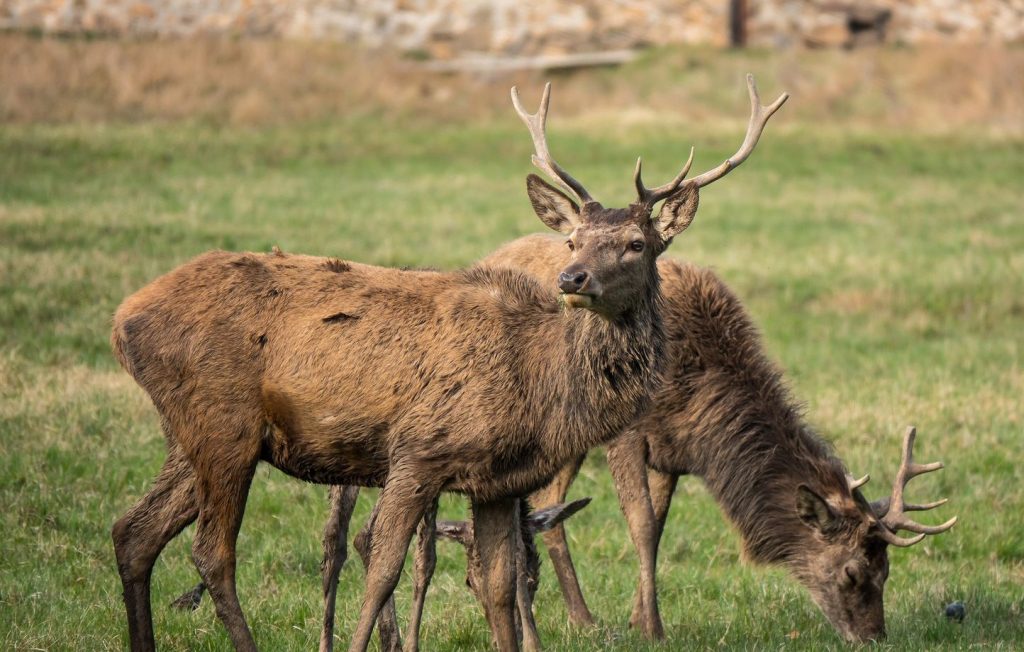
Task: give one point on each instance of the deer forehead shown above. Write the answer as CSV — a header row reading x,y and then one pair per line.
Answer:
x,y
594,214
606,235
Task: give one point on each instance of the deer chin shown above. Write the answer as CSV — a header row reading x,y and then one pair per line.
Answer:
x,y
577,300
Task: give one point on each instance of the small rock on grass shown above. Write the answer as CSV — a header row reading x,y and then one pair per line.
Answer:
x,y
956,611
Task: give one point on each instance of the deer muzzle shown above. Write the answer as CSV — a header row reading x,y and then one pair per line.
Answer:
x,y
578,288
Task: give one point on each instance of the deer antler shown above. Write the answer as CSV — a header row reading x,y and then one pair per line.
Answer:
x,y
857,483
651,196
759,116
542,158
891,510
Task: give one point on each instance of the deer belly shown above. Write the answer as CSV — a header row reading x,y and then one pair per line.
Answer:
x,y
323,447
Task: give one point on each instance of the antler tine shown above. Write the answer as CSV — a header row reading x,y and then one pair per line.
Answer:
x,y
892,539
881,506
542,158
651,196
891,511
858,483
910,507
759,116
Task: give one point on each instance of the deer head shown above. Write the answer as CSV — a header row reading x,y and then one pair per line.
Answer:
x,y
844,560
614,249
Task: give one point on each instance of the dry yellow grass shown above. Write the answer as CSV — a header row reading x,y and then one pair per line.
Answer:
x,y
258,82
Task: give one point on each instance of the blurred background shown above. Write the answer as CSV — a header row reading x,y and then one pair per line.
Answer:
x,y
875,235
923,63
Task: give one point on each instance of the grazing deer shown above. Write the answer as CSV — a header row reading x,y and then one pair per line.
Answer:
x,y
418,382
724,414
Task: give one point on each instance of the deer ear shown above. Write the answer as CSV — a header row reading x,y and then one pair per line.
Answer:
x,y
813,510
552,206
543,520
454,530
677,212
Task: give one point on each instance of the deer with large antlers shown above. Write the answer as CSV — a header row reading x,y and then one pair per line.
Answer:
x,y
419,382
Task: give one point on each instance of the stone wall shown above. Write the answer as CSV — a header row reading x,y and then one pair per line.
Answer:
x,y
827,22
443,29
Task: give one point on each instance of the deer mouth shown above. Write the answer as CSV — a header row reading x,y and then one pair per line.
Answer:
x,y
577,300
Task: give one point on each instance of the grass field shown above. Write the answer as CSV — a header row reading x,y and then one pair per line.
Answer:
x,y
885,267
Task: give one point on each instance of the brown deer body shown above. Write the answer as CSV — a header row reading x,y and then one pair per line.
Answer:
x,y
419,382
346,374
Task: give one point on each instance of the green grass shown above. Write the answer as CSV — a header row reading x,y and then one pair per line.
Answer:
x,y
886,270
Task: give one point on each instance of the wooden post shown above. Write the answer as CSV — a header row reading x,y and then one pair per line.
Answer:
x,y
738,23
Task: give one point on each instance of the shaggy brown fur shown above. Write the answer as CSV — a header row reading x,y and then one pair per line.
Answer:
x,y
421,382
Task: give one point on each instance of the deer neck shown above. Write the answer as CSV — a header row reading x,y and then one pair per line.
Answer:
x,y
753,473
606,372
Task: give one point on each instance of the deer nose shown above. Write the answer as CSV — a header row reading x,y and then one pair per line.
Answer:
x,y
572,282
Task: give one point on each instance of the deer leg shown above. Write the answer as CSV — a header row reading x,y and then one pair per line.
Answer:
x,y
628,464
558,546
495,528
401,505
524,609
524,598
425,561
141,534
661,487
343,501
387,619
222,495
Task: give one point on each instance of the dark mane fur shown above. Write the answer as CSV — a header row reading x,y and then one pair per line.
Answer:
x,y
746,436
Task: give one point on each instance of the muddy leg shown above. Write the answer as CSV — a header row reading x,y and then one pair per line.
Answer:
x,y
661,487
401,505
343,501
141,534
524,598
628,464
387,619
558,546
495,529
222,495
425,561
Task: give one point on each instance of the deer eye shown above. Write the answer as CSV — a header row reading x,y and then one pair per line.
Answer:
x,y
637,245
572,247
